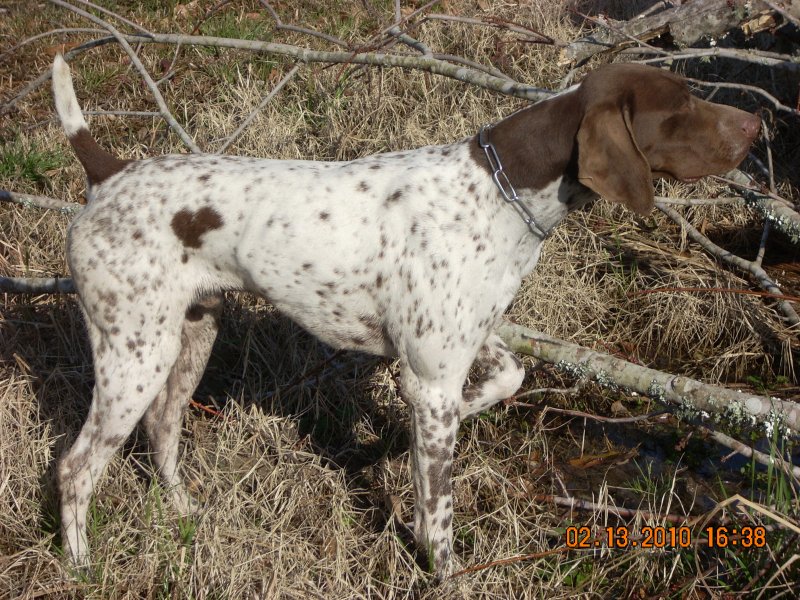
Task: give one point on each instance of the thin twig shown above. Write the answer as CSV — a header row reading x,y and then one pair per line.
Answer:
x,y
765,59
758,273
584,415
45,76
409,41
162,105
751,186
749,452
122,113
29,200
578,504
60,30
231,138
699,201
170,73
208,14
714,290
762,245
499,24
279,24
513,400
748,88
120,18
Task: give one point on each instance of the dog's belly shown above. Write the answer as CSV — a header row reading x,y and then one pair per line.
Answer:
x,y
340,325
345,313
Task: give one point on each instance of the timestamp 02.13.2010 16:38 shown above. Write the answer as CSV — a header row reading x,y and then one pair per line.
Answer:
x,y
660,537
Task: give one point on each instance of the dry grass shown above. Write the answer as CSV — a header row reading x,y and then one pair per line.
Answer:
x,y
301,483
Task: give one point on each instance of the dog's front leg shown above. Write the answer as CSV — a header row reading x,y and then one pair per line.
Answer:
x,y
434,425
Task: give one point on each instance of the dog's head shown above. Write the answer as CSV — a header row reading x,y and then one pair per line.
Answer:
x,y
640,123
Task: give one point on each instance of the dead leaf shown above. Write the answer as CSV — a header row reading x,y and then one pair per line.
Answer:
x,y
187,10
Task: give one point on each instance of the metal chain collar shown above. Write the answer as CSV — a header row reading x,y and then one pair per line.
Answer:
x,y
504,185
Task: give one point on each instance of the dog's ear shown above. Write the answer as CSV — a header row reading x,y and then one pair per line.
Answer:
x,y
609,161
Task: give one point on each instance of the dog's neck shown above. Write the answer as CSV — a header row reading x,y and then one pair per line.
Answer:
x,y
537,145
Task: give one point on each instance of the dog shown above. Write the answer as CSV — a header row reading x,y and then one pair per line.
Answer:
x,y
412,254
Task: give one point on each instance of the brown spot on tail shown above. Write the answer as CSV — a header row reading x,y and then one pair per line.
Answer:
x,y
189,226
99,164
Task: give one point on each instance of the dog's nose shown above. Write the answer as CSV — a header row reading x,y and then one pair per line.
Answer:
x,y
751,126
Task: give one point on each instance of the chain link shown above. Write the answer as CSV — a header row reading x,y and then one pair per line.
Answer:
x,y
504,185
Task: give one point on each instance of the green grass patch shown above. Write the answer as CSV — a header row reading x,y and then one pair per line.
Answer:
x,y
28,164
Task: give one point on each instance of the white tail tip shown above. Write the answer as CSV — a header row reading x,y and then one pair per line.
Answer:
x,y
69,111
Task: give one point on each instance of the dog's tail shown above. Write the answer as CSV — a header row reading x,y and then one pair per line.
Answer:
x,y
99,164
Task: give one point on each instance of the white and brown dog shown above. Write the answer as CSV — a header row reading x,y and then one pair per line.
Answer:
x,y
412,254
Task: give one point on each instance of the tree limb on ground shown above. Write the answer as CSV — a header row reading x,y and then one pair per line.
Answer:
x,y
693,398
32,200
686,23
772,208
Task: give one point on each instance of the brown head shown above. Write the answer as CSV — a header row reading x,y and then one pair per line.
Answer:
x,y
640,123
624,126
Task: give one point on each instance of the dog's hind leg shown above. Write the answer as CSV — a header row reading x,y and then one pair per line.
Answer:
x,y
132,359
162,421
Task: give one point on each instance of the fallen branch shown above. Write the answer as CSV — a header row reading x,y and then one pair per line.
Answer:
x,y
31,200
578,504
759,274
771,207
714,290
750,452
420,63
686,23
692,397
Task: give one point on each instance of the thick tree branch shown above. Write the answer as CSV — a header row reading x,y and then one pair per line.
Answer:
x,y
687,23
692,397
771,207
29,200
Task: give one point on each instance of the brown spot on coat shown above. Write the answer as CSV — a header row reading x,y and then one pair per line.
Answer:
x,y
189,226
